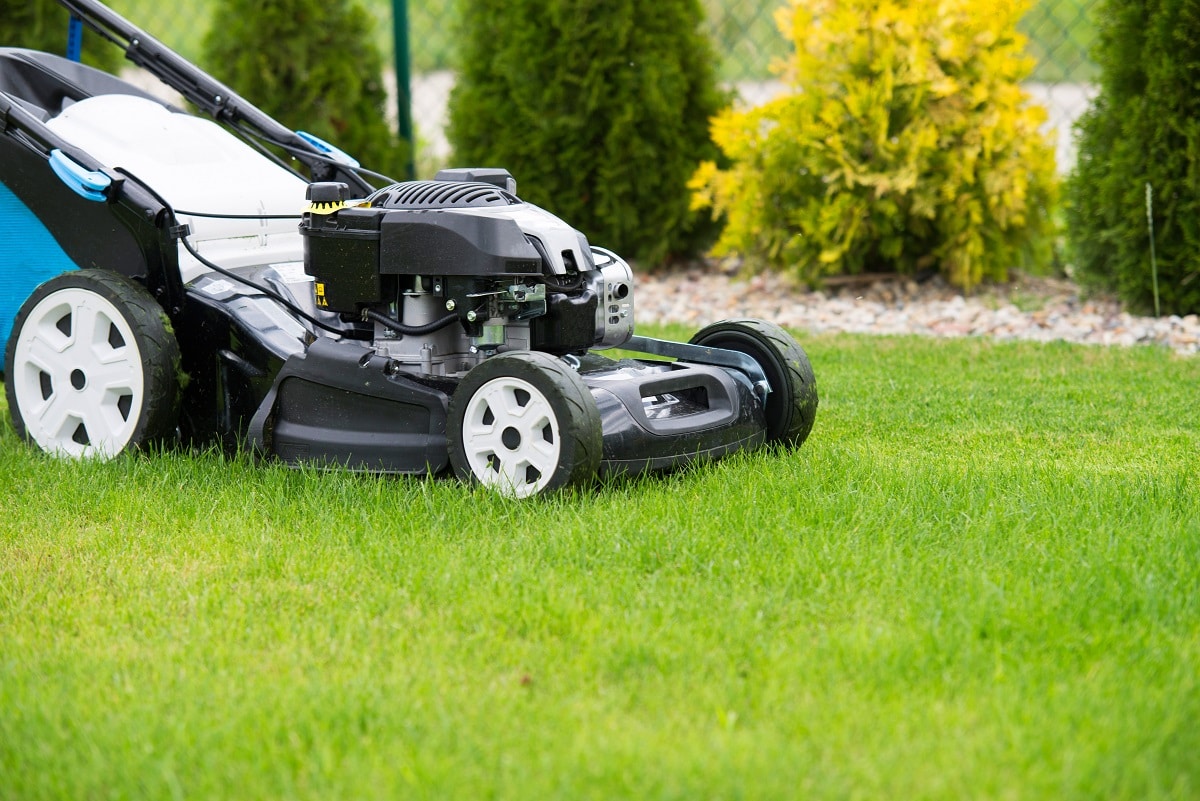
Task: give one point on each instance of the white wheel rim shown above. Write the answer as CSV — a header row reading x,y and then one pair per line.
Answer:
x,y
78,375
511,437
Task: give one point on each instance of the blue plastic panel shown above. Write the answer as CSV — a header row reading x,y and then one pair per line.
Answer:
x,y
88,184
29,255
334,153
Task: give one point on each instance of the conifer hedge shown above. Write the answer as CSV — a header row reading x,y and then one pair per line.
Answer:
x,y
42,25
599,109
1143,128
313,65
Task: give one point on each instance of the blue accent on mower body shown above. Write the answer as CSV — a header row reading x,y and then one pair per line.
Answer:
x,y
29,256
335,153
88,184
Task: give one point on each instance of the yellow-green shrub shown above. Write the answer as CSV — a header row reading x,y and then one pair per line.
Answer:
x,y
904,142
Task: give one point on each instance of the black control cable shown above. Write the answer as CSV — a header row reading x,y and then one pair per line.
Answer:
x,y
181,231
215,216
257,139
270,293
382,319
411,330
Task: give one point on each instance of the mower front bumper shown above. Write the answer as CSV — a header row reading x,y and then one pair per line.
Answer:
x,y
661,416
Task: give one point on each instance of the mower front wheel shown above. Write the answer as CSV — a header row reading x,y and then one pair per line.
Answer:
x,y
792,405
524,423
92,367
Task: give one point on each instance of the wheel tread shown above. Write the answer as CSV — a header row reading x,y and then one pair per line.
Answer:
x,y
791,421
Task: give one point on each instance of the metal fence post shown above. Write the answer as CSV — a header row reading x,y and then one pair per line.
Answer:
x,y
75,38
403,82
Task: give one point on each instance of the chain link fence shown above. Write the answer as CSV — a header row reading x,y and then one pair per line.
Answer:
x,y
1061,34
744,34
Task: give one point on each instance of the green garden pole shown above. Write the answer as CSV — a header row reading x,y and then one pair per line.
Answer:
x,y
404,125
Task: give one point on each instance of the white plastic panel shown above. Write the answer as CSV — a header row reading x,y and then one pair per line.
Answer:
x,y
197,166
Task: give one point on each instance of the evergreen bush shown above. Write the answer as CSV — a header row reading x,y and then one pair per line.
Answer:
x,y
313,65
42,25
599,109
1143,128
904,143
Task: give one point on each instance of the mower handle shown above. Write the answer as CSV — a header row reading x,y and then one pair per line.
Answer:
x,y
210,95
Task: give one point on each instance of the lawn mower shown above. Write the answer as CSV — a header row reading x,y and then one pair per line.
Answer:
x,y
168,277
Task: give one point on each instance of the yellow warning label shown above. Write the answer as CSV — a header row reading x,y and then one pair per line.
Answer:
x,y
321,295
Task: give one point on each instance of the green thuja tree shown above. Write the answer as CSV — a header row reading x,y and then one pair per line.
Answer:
x,y
42,25
903,143
313,65
599,109
1144,128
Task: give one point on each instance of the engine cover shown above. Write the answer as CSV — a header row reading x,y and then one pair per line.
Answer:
x,y
515,275
348,250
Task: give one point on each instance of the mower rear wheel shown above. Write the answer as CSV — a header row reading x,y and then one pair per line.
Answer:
x,y
524,423
92,368
792,405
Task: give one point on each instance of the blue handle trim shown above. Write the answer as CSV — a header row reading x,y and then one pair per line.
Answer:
x,y
328,149
89,184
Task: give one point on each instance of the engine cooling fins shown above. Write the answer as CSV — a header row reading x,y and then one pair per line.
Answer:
x,y
442,195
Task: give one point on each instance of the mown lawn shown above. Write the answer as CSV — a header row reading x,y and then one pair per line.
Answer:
x,y
979,579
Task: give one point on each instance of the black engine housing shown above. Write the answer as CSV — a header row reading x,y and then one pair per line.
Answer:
x,y
348,251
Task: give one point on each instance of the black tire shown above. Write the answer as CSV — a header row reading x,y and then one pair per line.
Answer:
x,y
552,438
792,405
92,367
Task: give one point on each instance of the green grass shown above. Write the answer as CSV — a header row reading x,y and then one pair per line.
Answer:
x,y
979,578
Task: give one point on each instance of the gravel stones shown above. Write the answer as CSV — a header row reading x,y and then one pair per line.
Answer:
x,y
1039,309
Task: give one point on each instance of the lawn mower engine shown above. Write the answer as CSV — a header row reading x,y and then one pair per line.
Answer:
x,y
468,294
458,269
